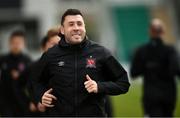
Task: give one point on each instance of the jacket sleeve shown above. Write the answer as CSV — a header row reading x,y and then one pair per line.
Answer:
x,y
41,78
137,66
31,78
174,62
116,77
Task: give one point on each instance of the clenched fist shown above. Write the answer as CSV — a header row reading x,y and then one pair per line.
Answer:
x,y
48,98
41,107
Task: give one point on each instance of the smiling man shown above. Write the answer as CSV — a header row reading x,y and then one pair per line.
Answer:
x,y
78,73
73,28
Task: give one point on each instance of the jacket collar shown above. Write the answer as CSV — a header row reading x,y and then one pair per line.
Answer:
x,y
156,41
64,44
15,56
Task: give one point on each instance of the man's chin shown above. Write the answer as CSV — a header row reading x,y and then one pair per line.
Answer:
x,y
77,41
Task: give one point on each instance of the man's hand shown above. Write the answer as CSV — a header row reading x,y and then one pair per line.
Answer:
x,y
15,74
32,107
91,85
48,98
41,107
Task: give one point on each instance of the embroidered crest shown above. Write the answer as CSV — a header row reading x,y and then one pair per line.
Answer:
x,y
90,62
21,67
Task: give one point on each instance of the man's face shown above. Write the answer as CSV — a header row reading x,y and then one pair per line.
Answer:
x,y
156,28
73,29
16,44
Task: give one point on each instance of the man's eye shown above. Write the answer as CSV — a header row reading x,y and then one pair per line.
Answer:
x,y
71,24
79,24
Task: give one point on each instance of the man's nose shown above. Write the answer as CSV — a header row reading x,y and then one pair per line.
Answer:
x,y
76,27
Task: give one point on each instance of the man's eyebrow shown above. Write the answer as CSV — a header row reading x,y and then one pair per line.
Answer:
x,y
75,21
71,21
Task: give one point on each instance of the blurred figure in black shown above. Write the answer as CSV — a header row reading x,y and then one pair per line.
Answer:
x,y
14,101
158,64
52,38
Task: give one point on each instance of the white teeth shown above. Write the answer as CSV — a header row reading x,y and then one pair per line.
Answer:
x,y
76,34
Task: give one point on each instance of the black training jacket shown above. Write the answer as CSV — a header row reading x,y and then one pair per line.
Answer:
x,y
13,90
64,68
158,64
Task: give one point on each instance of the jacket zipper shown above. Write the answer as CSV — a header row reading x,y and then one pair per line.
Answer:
x,y
76,110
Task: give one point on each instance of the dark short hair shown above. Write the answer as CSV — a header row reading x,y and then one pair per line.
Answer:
x,y
44,41
19,33
70,12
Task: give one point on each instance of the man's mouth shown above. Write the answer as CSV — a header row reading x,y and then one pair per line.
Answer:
x,y
76,34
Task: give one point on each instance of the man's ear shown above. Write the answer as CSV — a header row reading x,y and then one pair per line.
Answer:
x,y
62,29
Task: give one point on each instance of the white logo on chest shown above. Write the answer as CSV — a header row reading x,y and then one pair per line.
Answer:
x,y
61,63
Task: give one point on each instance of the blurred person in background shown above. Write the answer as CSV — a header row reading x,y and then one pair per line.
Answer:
x,y
158,64
14,101
78,73
52,38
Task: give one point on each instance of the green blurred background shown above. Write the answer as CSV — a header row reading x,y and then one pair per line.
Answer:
x,y
129,105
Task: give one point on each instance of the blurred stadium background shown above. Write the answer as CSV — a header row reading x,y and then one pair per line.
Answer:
x,y
120,25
